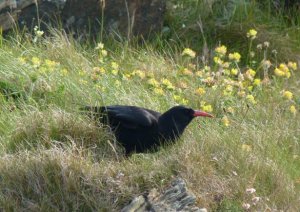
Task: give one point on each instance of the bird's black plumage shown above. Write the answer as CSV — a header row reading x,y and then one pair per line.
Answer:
x,y
139,130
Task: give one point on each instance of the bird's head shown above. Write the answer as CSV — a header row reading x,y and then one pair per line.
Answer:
x,y
185,114
179,117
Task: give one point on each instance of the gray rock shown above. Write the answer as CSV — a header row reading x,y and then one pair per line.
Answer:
x,y
126,18
175,198
86,18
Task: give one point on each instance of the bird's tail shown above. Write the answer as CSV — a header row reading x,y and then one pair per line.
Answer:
x,y
93,110
95,113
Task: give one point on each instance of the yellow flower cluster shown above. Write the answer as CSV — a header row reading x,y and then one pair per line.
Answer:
x,y
221,50
206,107
200,91
250,98
153,82
188,52
236,57
283,71
288,95
293,109
167,84
251,34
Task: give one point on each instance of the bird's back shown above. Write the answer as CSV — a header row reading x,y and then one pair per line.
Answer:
x,y
134,127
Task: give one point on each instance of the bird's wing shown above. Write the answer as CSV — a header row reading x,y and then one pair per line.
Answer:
x,y
131,117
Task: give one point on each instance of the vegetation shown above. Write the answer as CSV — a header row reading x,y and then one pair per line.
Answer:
x,y
234,65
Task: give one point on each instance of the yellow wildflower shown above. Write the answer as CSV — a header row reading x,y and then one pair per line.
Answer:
x,y
153,82
234,71
288,95
256,82
159,91
207,108
251,72
252,34
36,61
221,50
50,63
293,109
114,65
200,91
225,121
176,97
188,52
64,71
184,101
140,74
126,76
250,99
168,84
218,60
115,72
180,100
292,65
234,56
278,72
283,67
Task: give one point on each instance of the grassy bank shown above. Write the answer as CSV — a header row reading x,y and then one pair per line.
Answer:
x,y
53,158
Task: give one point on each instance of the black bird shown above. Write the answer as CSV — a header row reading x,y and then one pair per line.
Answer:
x,y
140,130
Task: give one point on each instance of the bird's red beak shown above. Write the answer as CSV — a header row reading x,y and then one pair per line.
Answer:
x,y
202,113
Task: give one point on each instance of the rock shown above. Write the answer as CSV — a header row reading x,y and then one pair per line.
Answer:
x,y
128,18
48,15
24,13
175,198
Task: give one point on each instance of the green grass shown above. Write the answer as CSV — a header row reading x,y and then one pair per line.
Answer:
x,y
53,158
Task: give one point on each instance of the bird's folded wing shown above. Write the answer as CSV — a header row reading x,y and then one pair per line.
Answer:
x,y
132,118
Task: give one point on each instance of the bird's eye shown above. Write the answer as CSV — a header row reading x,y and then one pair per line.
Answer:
x,y
189,112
